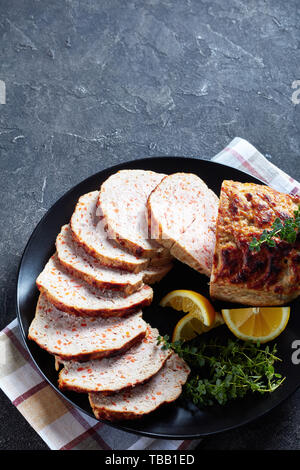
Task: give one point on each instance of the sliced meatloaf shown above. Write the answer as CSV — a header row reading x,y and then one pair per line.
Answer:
x,y
83,266
88,230
75,296
182,214
196,246
152,275
79,263
82,339
164,387
268,277
109,375
161,260
122,202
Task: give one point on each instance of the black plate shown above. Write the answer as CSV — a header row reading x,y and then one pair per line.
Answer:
x,y
174,421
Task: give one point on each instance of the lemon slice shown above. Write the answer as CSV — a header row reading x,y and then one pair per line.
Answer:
x,y
257,323
190,326
191,302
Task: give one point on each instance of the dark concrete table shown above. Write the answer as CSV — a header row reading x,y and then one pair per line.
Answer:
x,y
91,84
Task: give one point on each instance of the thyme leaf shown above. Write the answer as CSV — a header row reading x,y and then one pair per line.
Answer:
x,y
286,230
224,372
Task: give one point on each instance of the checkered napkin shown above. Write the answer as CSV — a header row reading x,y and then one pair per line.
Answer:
x,y
63,426
242,155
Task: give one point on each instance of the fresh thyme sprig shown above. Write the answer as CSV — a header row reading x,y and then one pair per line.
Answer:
x,y
222,372
286,230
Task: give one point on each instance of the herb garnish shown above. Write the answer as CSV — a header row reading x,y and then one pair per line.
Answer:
x,y
222,372
287,231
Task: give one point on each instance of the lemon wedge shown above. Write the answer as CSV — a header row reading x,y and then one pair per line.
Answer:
x,y
257,323
192,302
201,315
190,326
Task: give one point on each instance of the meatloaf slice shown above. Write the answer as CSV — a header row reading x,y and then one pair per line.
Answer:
x,y
73,337
88,230
268,277
164,387
110,375
182,214
122,203
75,296
161,260
84,266
152,275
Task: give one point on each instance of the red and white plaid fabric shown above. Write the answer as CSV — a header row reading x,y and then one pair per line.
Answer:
x,y
242,155
58,423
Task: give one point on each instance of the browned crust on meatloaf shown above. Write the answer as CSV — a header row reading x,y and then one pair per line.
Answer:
x,y
268,277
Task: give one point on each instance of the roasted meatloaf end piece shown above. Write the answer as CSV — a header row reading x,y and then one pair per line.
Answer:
x,y
182,214
83,338
109,375
265,278
84,266
122,204
164,387
89,231
75,296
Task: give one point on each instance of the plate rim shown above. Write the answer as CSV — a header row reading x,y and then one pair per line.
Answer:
x,y
119,425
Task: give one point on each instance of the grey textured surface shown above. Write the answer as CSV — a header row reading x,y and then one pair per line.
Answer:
x,y
90,84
